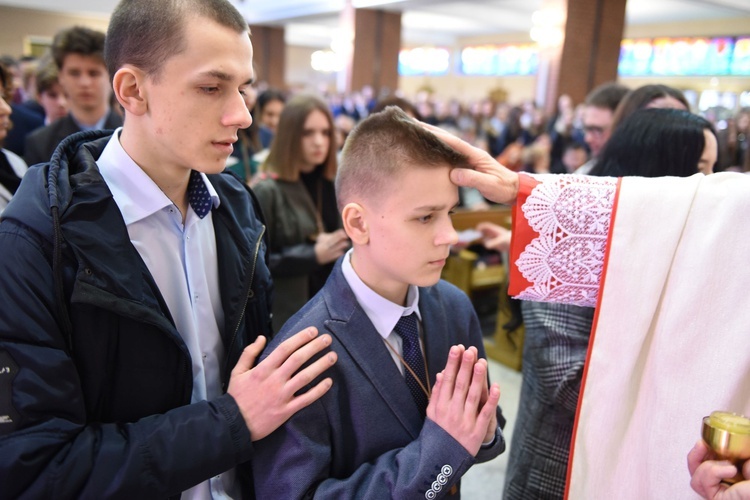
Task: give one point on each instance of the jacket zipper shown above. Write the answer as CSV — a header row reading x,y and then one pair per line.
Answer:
x,y
248,292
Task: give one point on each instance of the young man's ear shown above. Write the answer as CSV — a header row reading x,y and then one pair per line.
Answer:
x,y
129,90
355,223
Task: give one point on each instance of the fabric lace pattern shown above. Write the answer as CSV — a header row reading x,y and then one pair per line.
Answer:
x,y
572,215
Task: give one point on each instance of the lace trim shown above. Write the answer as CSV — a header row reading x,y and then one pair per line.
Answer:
x,y
564,263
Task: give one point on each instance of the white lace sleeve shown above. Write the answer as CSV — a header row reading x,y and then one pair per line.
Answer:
x,y
572,214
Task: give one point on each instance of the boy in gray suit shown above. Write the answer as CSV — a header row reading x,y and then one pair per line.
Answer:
x,y
394,325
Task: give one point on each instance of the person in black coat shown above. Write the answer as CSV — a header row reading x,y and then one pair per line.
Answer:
x,y
136,284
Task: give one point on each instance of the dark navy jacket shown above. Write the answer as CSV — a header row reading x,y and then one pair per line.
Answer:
x,y
95,381
365,438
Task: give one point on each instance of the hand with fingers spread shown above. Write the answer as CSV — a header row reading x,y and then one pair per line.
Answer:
x,y
493,180
461,403
265,393
707,474
331,246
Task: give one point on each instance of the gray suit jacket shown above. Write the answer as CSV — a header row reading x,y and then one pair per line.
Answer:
x,y
365,438
41,143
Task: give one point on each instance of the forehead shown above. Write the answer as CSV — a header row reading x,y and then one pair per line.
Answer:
x,y
666,102
418,186
82,61
316,118
53,88
593,115
211,48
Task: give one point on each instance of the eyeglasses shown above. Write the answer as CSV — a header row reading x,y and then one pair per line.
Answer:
x,y
593,130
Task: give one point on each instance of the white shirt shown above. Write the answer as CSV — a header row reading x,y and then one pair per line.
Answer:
x,y
183,262
383,313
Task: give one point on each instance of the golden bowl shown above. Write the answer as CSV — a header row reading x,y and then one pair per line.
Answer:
x,y
728,435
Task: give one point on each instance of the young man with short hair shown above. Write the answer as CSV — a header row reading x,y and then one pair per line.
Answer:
x,y
135,283
78,53
395,326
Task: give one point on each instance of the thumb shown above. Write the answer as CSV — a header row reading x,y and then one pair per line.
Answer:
x,y
490,406
465,177
470,178
247,359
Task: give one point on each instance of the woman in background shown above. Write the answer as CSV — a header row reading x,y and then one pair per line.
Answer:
x,y
298,199
12,167
269,106
659,142
648,96
734,143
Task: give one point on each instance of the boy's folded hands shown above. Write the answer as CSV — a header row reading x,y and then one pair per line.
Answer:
x,y
461,402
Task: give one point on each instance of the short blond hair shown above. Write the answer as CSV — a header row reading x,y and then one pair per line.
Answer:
x,y
381,147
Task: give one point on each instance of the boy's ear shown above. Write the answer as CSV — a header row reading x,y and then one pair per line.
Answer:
x,y
128,86
355,223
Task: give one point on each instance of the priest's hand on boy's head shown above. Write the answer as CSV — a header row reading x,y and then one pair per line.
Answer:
x,y
492,179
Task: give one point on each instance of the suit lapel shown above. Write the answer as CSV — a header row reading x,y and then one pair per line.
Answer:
x,y
352,328
68,126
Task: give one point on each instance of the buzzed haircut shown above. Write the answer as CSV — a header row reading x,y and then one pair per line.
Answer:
x,y
400,102
607,96
77,40
146,33
381,147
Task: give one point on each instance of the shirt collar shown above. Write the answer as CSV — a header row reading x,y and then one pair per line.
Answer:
x,y
135,193
99,125
383,313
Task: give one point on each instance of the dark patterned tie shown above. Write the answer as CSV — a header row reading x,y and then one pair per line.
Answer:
x,y
198,195
408,330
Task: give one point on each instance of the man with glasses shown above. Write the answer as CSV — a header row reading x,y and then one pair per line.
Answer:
x,y
599,109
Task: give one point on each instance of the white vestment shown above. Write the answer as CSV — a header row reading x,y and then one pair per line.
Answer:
x,y
666,263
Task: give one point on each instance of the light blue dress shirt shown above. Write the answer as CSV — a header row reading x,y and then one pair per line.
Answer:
x,y
97,126
183,262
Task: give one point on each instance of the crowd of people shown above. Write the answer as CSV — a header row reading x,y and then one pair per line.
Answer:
x,y
218,289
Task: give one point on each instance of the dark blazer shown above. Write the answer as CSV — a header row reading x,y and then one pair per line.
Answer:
x,y
365,438
41,143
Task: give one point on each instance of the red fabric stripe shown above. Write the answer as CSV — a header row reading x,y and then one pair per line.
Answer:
x,y
521,236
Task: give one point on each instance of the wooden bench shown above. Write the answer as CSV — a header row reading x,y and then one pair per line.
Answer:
x,y
462,270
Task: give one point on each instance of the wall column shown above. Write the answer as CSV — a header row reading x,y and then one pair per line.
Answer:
x,y
377,42
591,50
269,55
